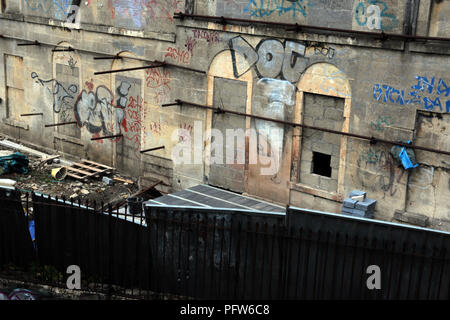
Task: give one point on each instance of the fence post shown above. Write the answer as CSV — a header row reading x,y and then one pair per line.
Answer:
x,y
110,251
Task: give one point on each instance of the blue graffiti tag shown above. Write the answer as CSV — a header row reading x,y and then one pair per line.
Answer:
x,y
361,10
423,86
60,7
265,8
381,123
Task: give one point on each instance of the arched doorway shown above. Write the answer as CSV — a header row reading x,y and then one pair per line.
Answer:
x,y
323,100
65,88
226,147
128,113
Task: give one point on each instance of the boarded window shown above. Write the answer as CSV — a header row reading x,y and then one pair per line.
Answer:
x,y
14,86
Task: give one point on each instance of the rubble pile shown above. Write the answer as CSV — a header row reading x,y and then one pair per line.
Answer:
x,y
37,176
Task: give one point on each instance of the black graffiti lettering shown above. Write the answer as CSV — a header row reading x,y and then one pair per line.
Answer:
x,y
271,58
241,46
294,61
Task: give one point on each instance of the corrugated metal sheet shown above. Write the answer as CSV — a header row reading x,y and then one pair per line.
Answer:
x,y
205,196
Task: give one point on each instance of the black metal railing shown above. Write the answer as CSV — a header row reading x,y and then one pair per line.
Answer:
x,y
209,253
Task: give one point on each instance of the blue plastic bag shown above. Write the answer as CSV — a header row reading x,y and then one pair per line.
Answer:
x,y
406,162
31,229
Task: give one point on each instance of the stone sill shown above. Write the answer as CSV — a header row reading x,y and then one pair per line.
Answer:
x,y
66,138
316,192
412,218
16,123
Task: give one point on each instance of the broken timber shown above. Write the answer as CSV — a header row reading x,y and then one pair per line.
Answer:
x,y
47,159
141,192
123,180
87,169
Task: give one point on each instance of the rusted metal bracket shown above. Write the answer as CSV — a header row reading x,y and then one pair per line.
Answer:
x,y
178,15
353,135
152,149
108,58
177,103
129,69
107,137
63,49
60,124
31,114
384,36
296,28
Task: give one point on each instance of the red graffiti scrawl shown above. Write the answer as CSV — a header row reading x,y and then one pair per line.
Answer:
x,y
134,123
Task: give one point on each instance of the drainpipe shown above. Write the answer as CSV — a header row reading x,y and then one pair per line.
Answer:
x,y
410,19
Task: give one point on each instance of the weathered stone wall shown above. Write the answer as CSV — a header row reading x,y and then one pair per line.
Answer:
x,y
385,88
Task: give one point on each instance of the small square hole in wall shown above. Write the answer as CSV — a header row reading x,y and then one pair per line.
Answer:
x,y
321,164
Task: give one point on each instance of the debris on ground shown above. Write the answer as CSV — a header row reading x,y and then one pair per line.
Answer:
x,y
86,169
38,177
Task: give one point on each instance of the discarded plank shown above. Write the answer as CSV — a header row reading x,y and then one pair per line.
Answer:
x,y
123,180
121,203
47,159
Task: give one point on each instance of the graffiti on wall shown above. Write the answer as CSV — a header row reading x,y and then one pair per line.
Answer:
x,y
73,15
96,112
324,51
271,58
381,123
373,14
133,125
178,55
382,164
278,65
141,12
210,36
431,93
159,79
72,63
190,45
185,132
101,112
422,178
63,97
265,8
58,8
277,95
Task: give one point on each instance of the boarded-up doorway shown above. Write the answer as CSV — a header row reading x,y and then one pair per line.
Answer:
x,y
129,102
14,87
229,172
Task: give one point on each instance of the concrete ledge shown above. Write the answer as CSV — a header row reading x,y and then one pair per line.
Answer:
x,y
16,123
412,218
316,192
66,138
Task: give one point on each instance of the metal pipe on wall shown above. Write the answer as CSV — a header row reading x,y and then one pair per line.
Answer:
x,y
372,140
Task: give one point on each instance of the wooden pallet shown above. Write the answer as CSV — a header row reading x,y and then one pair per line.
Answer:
x,y
87,169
